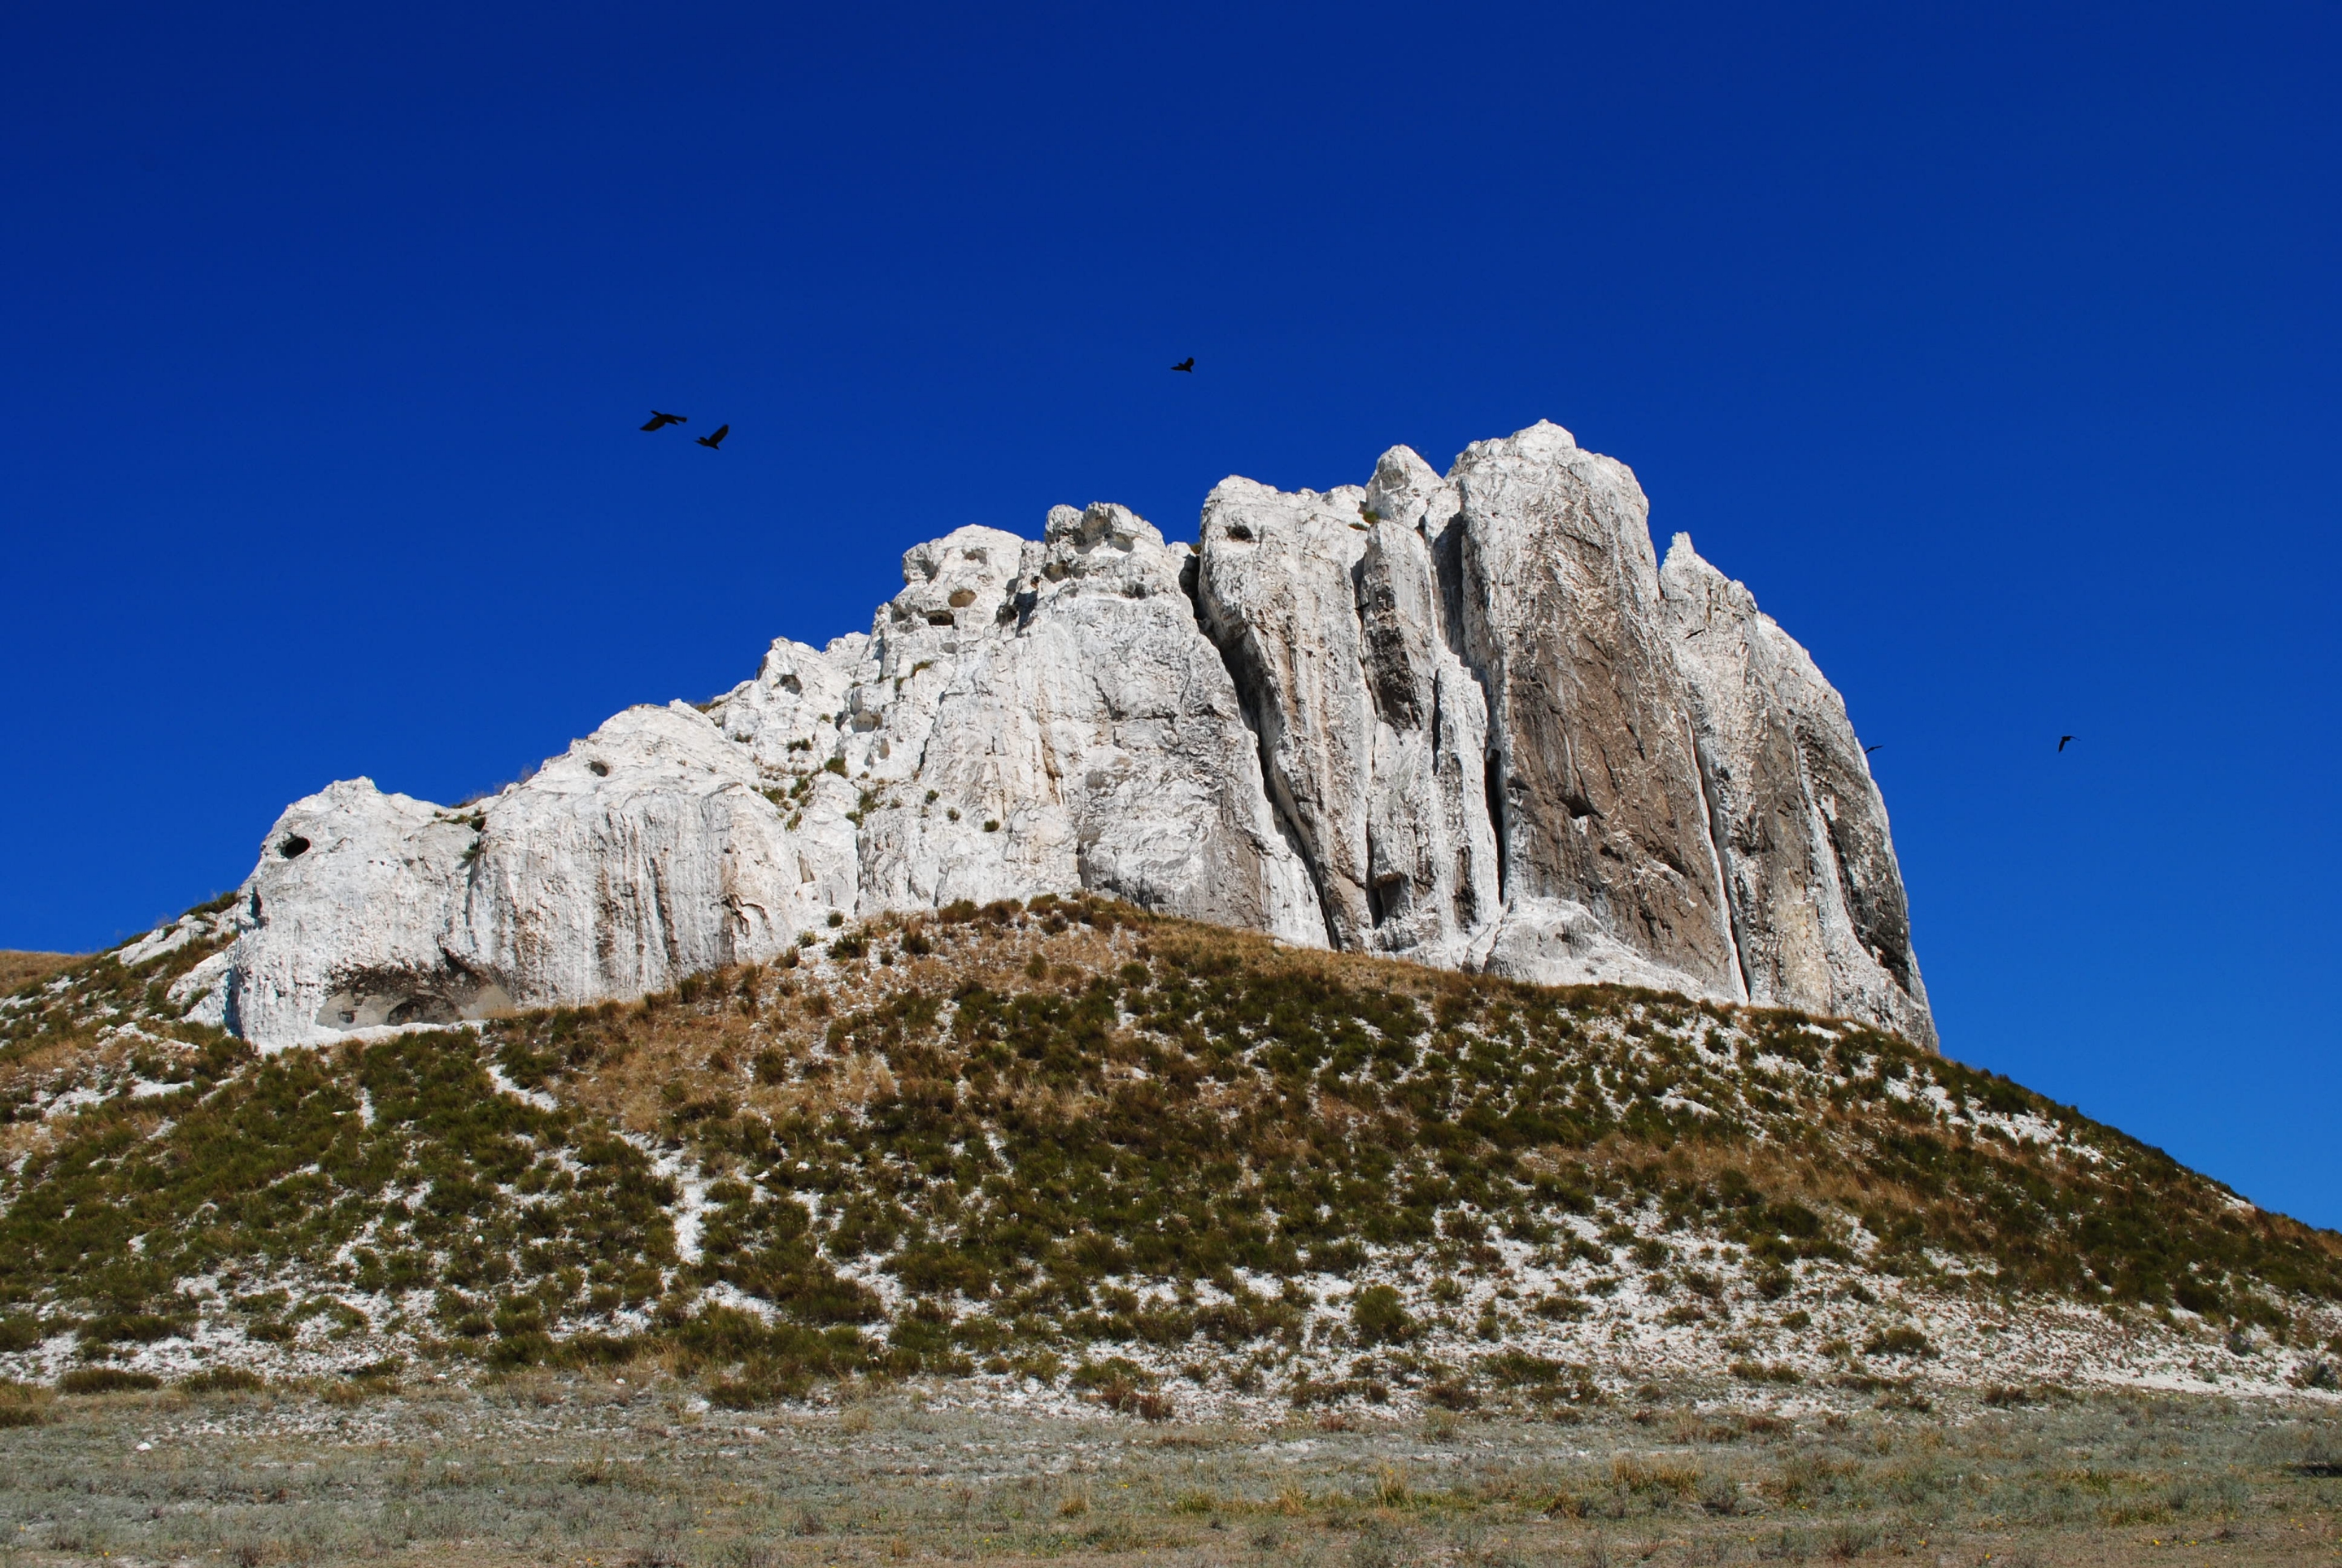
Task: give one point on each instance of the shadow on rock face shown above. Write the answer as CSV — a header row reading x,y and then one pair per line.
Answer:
x,y
447,996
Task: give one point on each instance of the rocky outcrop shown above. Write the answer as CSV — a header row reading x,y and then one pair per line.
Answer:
x,y
1820,920
1597,797
644,852
1466,719
1029,716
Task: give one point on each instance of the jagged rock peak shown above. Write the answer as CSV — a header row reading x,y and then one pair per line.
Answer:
x,y
1468,720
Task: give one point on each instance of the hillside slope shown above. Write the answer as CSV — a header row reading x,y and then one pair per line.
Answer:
x,y
1073,1149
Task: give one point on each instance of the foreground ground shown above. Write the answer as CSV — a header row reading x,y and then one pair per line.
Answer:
x,y
610,1470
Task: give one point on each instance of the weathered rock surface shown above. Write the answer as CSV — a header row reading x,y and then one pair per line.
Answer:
x,y
1818,912
1466,719
644,853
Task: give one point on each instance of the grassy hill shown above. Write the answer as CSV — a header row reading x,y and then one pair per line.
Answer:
x,y
1071,1151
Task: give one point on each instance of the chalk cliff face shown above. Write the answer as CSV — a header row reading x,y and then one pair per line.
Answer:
x,y
1468,720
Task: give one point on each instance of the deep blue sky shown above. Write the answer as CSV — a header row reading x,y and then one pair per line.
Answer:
x,y
1996,348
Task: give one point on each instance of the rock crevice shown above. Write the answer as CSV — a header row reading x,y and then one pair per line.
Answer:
x,y
1468,720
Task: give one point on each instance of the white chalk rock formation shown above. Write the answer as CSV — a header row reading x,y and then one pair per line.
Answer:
x,y
1818,912
1465,720
1608,871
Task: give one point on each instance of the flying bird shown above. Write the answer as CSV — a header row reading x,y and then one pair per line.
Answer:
x,y
661,421
715,438
2061,742
1188,365
1868,749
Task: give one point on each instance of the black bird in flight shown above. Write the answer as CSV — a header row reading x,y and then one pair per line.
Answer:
x,y
1868,749
1188,365
2061,742
661,421
715,438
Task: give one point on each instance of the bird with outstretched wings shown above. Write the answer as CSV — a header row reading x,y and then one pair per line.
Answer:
x,y
715,438
2061,742
661,421
1188,365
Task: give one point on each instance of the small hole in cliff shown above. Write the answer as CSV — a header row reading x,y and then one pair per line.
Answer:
x,y
939,617
1238,531
293,847
599,769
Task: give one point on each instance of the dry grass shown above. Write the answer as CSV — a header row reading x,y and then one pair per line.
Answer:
x,y
578,1470
50,1064
22,969
695,1052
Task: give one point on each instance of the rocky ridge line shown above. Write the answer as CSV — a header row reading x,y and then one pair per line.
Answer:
x,y
1468,720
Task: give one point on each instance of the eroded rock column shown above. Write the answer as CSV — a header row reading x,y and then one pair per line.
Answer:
x,y
1609,868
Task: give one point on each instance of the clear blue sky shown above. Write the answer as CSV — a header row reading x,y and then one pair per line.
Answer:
x,y
1996,348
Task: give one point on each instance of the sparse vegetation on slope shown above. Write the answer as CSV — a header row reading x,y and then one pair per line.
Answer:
x,y
1113,1154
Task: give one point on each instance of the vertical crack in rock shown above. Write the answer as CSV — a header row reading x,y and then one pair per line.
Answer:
x,y
1724,904
1273,593
1432,846
1464,718
1445,541
1262,721
1492,785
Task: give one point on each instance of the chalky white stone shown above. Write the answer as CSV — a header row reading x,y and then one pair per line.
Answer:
x,y
1466,719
